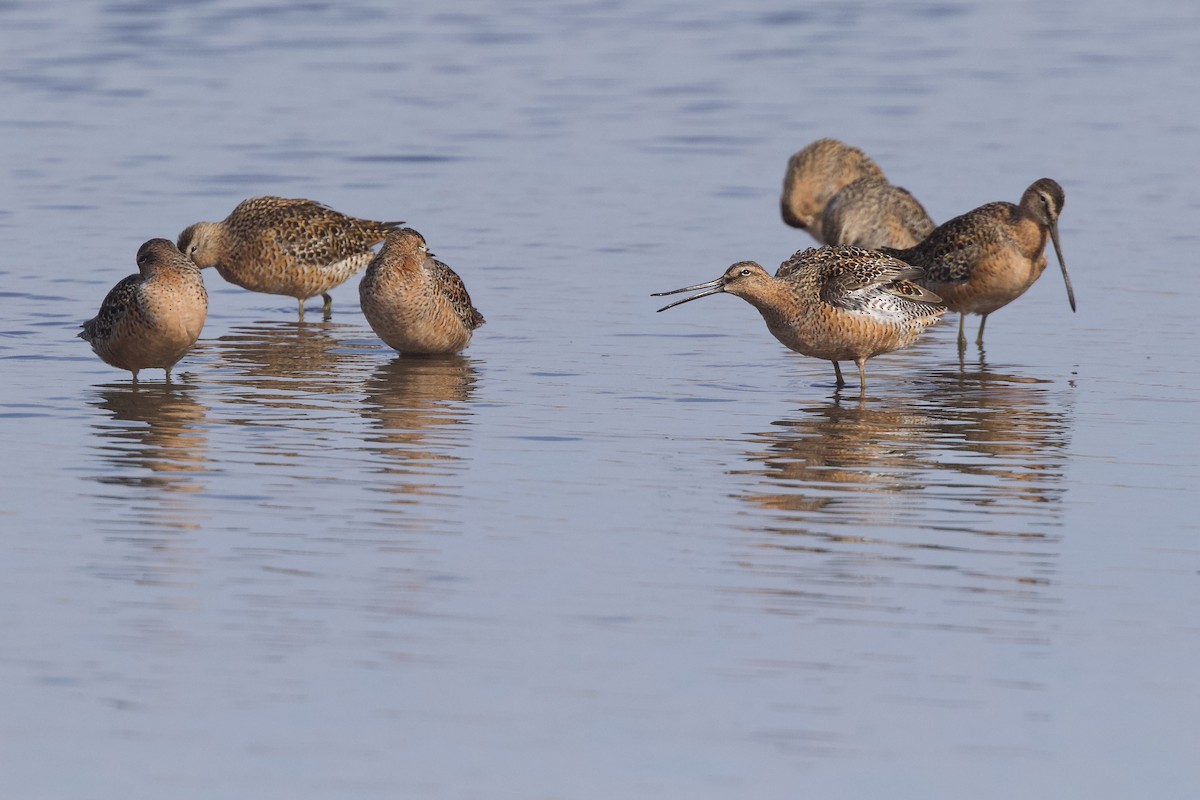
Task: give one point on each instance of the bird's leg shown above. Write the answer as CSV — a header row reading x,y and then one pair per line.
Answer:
x,y
979,338
838,371
862,374
135,372
301,301
962,336
327,309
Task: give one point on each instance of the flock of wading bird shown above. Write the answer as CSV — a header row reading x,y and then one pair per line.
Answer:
x,y
885,273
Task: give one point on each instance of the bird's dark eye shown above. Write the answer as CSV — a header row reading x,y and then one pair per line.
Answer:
x,y
194,248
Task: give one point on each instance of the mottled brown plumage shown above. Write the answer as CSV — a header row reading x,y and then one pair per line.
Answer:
x,y
841,197
413,302
150,320
872,213
833,303
292,247
983,260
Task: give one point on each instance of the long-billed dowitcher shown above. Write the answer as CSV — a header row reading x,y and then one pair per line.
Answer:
x,y
413,302
151,319
294,247
841,197
833,303
872,213
983,260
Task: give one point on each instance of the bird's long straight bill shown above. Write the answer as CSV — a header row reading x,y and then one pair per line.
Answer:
x,y
1062,264
712,287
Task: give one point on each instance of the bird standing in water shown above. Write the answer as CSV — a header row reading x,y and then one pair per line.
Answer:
x,y
833,303
415,303
150,320
293,247
841,197
983,260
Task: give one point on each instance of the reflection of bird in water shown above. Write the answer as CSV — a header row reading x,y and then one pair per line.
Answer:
x,y
841,197
166,438
293,356
410,398
1016,422
154,468
873,514
837,447
299,382
417,405
929,444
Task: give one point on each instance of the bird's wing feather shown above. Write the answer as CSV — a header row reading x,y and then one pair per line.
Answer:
x,y
456,292
119,302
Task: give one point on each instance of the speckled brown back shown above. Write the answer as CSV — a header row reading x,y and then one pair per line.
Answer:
x,y
302,230
872,213
856,279
952,250
456,293
294,247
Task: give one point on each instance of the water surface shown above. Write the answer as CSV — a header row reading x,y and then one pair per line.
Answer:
x,y
603,552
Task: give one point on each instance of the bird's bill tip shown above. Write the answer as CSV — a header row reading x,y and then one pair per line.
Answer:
x,y
706,285
1070,291
710,288
1062,264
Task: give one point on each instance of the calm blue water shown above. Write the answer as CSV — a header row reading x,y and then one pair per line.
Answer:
x,y
605,553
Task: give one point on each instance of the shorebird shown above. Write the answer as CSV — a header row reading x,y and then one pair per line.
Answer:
x,y
151,319
872,213
833,303
841,197
413,302
292,247
983,260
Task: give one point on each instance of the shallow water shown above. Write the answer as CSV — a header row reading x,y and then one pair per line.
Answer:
x,y
604,552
